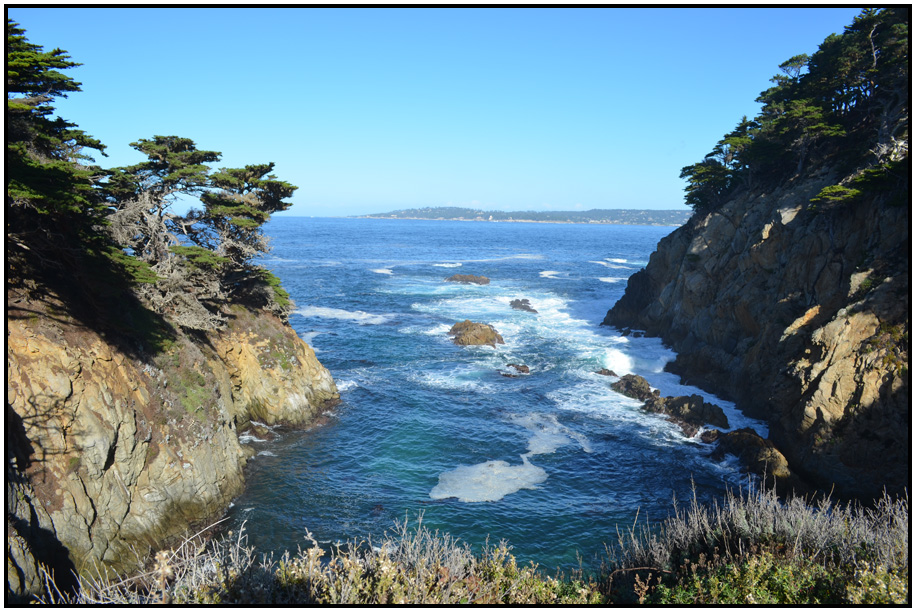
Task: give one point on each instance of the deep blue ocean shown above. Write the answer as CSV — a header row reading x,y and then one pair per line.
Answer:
x,y
552,461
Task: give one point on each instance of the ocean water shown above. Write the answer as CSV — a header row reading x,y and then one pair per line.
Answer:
x,y
552,461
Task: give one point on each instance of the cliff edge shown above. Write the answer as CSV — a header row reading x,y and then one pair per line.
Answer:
x,y
800,314
113,450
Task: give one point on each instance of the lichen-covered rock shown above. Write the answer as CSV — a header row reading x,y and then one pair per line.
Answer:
x,y
800,316
110,452
470,333
468,279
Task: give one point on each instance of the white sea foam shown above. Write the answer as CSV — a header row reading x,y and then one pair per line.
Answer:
x,y
612,279
382,271
309,337
617,361
460,380
247,438
489,481
549,274
447,265
346,385
267,453
363,318
548,433
616,260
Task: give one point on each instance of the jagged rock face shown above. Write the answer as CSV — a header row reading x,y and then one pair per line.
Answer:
x,y
798,314
470,333
109,452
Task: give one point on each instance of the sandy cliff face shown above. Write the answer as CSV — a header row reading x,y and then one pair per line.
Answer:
x,y
109,451
800,314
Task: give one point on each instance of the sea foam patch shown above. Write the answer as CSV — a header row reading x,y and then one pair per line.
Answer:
x,y
382,271
612,279
549,274
548,434
360,317
489,481
447,265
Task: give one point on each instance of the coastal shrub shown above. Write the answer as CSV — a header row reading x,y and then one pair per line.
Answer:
x,y
752,549
756,546
412,565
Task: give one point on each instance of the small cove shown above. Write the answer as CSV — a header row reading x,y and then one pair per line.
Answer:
x,y
551,461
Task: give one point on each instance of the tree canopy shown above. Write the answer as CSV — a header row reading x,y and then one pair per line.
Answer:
x,y
62,207
849,102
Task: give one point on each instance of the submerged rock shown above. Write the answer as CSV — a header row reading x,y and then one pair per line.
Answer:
x,y
470,333
606,372
522,304
468,279
515,370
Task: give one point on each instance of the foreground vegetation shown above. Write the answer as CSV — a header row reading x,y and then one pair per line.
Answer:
x,y
754,548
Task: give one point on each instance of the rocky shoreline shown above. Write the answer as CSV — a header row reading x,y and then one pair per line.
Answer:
x,y
798,314
112,453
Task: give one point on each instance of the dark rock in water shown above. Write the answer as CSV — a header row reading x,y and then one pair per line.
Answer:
x,y
689,412
469,333
606,372
759,456
522,304
633,386
468,279
378,509
694,410
516,369
710,435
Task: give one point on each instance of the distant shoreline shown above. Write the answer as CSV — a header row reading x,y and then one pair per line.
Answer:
x,y
594,216
613,222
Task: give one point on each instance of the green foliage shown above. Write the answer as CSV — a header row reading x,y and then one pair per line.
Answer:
x,y
281,297
50,195
199,257
836,194
138,271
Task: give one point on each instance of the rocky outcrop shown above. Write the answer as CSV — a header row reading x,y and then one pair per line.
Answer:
x,y
522,304
799,314
469,333
468,279
111,452
690,413
759,456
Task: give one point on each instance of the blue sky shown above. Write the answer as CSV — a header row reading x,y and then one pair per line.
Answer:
x,y
371,110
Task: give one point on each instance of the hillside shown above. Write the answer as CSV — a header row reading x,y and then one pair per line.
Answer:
x,y
611,216
788,290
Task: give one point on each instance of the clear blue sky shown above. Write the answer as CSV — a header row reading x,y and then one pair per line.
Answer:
x,y
371,110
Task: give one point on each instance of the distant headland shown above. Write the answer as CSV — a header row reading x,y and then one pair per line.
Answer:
x,y
596,215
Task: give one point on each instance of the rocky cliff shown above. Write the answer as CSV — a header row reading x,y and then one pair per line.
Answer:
x,y
113,449
799,312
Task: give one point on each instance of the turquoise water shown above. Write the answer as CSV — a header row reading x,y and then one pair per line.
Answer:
x,y
551,461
